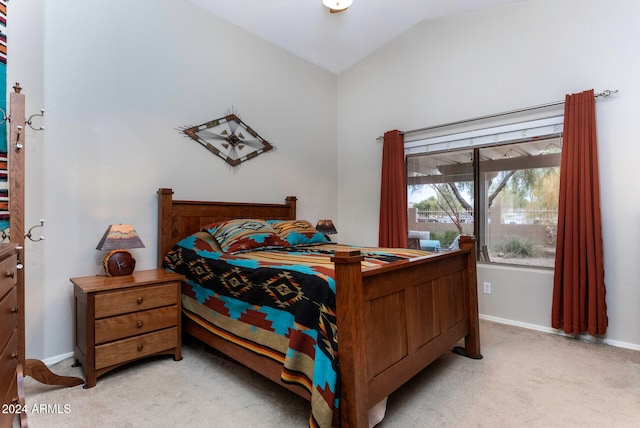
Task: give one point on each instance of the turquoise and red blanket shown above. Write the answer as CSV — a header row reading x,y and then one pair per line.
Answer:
x,y
278,303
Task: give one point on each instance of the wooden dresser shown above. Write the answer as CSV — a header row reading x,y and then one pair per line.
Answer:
x,y
120,319
9,329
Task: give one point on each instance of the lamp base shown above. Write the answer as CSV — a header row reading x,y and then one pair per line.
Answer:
x,y
119,263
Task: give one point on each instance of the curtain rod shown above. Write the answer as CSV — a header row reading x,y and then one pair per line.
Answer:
x,y
604,94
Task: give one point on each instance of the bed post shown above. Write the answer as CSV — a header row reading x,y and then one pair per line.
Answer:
x,y
165,199
353,386
291,201
472,340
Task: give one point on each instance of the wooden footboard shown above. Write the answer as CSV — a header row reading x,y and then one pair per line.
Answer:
x,y
394,321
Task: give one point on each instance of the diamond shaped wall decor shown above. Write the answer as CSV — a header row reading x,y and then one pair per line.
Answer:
x,y
229,138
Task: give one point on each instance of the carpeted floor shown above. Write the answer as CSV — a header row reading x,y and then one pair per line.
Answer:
x,y
526,379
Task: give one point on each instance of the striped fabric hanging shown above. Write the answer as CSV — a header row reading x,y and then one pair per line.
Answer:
x,y
4,183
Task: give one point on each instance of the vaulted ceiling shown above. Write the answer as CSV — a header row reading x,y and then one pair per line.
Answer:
x,y
335,41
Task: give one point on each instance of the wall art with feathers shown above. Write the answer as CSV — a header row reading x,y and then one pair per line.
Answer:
x,y
229,138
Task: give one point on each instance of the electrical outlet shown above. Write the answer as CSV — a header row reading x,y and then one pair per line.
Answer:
x,y
487,288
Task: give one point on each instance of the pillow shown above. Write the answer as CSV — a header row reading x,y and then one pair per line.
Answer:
x,y
201,241
298,232
211,228
240,235
206,242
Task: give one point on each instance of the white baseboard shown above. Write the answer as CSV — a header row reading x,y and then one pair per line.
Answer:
x,y
583,337
587,338
56,359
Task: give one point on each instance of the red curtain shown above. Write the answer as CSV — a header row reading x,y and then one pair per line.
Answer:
x,y
393,199
578,288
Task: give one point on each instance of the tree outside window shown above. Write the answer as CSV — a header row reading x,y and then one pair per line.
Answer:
x,y
506,195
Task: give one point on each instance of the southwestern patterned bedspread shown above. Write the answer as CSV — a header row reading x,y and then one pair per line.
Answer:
x,y
278,302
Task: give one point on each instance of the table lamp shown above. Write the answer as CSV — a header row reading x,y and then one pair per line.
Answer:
x,y
118,239
326,227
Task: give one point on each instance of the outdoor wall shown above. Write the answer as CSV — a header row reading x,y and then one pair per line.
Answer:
x,y
522,54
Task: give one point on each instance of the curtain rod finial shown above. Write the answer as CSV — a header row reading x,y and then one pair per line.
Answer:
x,y
607,93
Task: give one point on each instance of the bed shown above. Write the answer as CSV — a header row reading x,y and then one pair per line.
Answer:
x,y
394,318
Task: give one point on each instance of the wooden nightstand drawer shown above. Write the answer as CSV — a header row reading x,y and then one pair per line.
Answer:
x,y
8,315
136,299
118,327
8,274
135,347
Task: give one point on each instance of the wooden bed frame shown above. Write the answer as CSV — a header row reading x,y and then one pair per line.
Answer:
x,y
393,321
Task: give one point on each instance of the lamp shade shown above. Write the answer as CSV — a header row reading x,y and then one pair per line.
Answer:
x,y
337,5
326,227
120,237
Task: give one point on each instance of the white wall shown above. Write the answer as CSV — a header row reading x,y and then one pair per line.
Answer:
x,y
117,78
25,65
523,54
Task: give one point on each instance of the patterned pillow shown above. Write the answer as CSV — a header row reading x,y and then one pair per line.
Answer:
x,y
200,242
211,228
298,232
240,235
204,241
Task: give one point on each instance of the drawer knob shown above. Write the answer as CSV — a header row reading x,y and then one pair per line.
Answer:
x,y
139,324
140,300
14,309
11,274
15,400
14,355
140,346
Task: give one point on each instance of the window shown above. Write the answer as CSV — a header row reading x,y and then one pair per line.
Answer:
x,y
505,193
441,195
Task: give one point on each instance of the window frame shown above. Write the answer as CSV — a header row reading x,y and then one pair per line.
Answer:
x,y
476,140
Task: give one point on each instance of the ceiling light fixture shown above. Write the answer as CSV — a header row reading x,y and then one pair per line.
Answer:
x,y
336,6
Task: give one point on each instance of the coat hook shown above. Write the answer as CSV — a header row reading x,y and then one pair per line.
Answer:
x,y
4,233
30,120
18,145
5,117
28,234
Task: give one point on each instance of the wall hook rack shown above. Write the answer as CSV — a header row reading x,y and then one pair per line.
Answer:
x,y
18,145
30,366
7,118
4,233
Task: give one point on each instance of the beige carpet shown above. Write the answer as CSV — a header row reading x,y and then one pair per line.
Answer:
x,y
526,379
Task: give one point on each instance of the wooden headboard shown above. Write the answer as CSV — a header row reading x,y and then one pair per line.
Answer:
x,y
178,219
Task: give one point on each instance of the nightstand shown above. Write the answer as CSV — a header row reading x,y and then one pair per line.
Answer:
x,y
120,319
